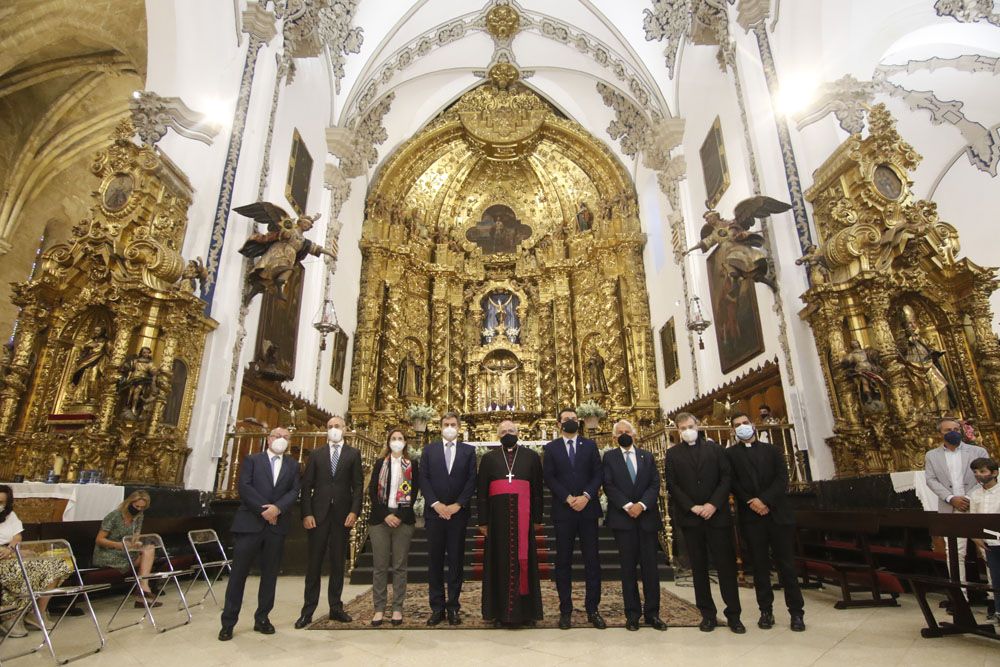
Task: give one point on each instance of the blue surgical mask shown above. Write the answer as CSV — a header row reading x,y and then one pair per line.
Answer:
x,y
953,438
744,431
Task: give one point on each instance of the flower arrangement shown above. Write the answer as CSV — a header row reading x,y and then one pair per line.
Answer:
x,y
420,412
591,409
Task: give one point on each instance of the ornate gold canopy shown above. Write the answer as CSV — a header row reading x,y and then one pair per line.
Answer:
x,y
502,271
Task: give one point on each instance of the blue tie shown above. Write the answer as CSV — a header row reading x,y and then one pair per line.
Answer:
x,y
334,459
630,466
572,453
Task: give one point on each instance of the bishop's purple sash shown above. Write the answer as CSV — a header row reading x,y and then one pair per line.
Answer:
x,y
522,489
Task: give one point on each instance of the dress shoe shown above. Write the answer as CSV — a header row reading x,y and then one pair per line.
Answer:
x,y
766,621
454,618
708,624
139,604
377,623
436,618
303,621
263,627
632,624
736,625
340,615
225,634
798,624
597,620
565,621
656,622
396,621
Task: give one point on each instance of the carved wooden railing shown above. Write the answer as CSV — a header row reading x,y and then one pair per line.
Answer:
x,y
241,444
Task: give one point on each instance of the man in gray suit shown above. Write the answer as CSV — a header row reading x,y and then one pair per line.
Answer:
x,y
949,475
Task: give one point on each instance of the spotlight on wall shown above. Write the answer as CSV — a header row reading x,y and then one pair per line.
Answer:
x,y
797,91
216,112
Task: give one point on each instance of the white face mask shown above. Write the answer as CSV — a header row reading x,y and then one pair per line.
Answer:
x,y
689,435
278,446
449,432
397,446
335,434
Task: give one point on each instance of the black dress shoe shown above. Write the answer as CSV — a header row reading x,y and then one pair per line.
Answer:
x,y
377,623
565,621
597,620
436,618
766,621
798,624
303,621
708,624
396,621
736,625
632,624
454,618
264,628
340,615
225,634
656,622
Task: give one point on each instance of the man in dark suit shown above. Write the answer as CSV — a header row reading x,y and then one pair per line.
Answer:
x,y
767,522
632,484
269,485
331,502
448,482
572,469
698,478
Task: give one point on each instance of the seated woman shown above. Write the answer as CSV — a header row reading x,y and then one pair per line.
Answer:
x,y
393,490
44,573
123,522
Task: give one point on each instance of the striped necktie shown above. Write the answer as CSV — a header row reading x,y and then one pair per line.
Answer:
x,y
334,459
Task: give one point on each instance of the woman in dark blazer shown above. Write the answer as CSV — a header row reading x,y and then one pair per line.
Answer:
x,y
392,490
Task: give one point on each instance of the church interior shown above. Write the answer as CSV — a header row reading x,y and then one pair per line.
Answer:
x,y
219,218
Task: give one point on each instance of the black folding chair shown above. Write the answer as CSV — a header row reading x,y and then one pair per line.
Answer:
x,y
134,548
214,556
73,587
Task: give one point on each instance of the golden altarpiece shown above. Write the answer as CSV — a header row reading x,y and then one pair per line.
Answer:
x,y
109,341
502,272
901,322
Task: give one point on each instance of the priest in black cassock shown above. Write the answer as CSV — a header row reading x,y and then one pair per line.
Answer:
x,y
510,513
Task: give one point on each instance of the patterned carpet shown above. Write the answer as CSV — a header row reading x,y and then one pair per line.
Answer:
x,y
673,610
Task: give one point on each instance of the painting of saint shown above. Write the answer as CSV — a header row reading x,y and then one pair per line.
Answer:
x,y
498,230
736,317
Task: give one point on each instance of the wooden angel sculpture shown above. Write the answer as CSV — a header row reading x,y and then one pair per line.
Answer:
x,y
194,274
741,249
280,249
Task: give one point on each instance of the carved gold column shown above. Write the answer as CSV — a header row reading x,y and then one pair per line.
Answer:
x,y
387,394
125,314
547,355
15,385
367,337
986,348
457,379
439,376
565,389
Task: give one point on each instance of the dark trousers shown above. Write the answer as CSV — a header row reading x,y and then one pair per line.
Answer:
x,y
637,547
266,546
702,541
330,534
762,539
993,565
446,543
566,534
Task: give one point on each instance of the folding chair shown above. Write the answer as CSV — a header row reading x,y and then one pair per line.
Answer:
x,y
209,541
134,546
73,587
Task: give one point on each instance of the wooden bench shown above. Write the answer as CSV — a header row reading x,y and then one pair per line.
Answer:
x,y
836,547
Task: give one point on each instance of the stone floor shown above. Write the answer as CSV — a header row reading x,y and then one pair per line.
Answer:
x,y
866,637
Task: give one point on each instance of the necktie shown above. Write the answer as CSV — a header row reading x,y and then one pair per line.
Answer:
x,y
449,453
572,453
274,468
334,459
630,466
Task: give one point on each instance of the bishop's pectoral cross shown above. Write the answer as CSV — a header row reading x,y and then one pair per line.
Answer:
x,y
510,477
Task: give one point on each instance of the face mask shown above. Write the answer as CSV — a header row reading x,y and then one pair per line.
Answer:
x,y
689,435
335,434
278,446
625,440
449,432
132,510
744,431
508,440
570,426
953,438
396,446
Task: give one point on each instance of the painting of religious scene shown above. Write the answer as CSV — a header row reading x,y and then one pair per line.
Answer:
x,y
735,314
498,230
500,320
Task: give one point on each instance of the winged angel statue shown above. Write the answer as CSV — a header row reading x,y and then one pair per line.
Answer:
x,y
279,249
741,249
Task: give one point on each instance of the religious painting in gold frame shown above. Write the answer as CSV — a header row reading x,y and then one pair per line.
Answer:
x,y
668,346
300,164
339,361
735,314
714,167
